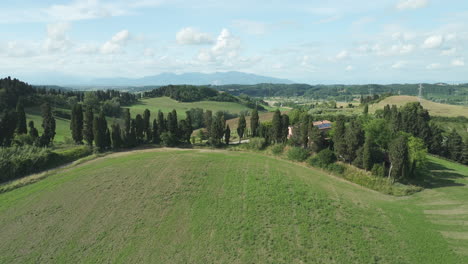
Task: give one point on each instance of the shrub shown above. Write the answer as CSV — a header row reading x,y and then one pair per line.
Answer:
x,y
256,143
298,154
378,170
17,161
336,168
323,159
277,149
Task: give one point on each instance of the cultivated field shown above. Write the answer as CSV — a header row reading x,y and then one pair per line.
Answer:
x,y
436,109
166,104
202,206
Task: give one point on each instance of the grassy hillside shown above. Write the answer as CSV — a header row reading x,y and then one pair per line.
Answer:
x,y
437,109
166,104
201,206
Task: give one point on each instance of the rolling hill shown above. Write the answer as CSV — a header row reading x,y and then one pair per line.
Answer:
x,y
436,109
205,206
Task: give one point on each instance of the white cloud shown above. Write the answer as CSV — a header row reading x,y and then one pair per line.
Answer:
x,y
411,4
448,52
227,47
342,55
57,39
349,68
458,62
433,42
399,65
191,36
433,66
115,44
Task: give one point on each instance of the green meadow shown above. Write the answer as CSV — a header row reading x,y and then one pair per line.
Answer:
x,y
210,206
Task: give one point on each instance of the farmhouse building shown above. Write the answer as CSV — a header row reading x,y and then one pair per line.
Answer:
x,y
323,126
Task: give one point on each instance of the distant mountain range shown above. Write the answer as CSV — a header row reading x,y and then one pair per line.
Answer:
x,y
193,78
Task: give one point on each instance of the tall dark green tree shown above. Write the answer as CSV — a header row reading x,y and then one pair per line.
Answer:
x,y
48,124
88,131
227,135
367,160
217,128
366,109
399,158
127,121
354,138
156,138
20,118
32,130
304,130
7,127
76,124
172,124
139,122
116,136
189,130
146,125
284,127
276,129
208,121
241,125
455,146
317,142
339,141
161,123
100,132
184,131
254,123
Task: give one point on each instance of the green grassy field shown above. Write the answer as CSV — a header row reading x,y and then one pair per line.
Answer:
x,y
166,104
433,108
202,206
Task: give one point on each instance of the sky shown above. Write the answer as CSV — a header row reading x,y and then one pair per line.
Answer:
x,y
346,41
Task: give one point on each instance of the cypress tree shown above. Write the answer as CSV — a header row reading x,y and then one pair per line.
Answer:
x,y
217,128
284,127
172,124
254,123
146,124
161,122
227,135
354,138
398,154
317,143
116,136
21,118
304,130
100,131
241,127
48,124
131,138
139,122
455,146
276,128
339,142
7,127
366,109
367,161
88,131
76,124
32,130
127,121
189,124
156,138
208,120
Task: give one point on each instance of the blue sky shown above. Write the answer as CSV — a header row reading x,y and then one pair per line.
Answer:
x,y
358,41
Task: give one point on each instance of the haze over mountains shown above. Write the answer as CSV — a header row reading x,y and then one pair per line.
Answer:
x,y
193,78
